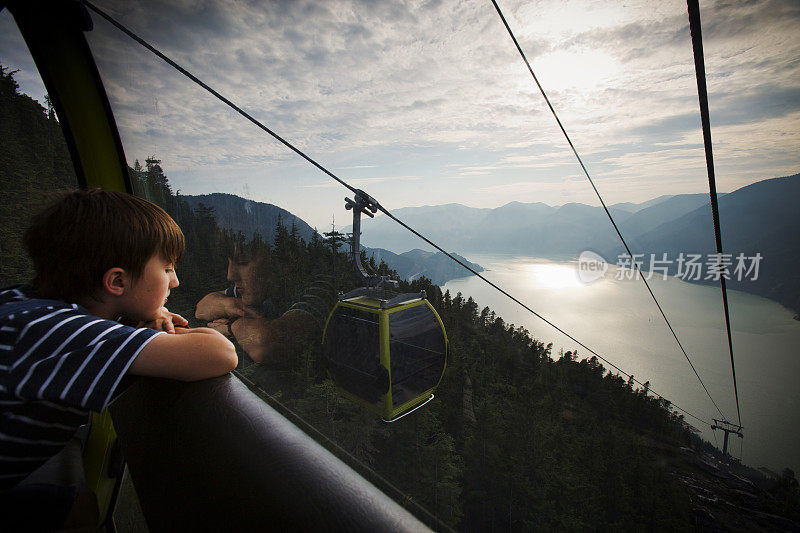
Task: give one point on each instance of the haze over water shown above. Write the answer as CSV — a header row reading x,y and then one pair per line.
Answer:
x,y
618,319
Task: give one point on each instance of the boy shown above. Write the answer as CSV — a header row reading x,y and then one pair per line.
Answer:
x,y
98,256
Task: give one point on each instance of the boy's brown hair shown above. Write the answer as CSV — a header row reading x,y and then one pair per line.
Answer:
x,y
75,240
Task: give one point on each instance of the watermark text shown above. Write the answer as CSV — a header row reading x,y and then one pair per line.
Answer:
x,y
686,266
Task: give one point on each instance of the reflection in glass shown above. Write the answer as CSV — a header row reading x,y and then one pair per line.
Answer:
x,y
417,349
511,440
388,355
353,353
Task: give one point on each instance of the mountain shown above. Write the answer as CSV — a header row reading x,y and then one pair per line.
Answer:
x,y
414,264
761,218
575,228
450,224
635,208
505,223
518,228
238,214
671,208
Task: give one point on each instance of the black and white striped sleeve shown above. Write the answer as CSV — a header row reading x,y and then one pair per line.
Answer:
x,y
67,356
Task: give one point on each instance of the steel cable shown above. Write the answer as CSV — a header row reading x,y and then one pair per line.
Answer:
x,y
702,92
611,218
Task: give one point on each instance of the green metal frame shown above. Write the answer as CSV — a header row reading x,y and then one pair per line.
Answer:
x,y
53,32
370,305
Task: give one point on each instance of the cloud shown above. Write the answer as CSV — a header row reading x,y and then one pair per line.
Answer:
x,y
437,90
758,104
361,182
673,126
14,56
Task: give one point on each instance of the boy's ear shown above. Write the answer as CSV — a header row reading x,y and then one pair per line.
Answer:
x,y
115,281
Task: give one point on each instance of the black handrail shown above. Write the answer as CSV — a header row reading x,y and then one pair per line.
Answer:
x,y
211,455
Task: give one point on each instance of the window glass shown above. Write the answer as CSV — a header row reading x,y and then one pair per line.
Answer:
x,y
34,159
258,272
417,103
423,104
417,351
352,350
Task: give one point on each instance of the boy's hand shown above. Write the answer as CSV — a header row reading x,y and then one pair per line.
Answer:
x,y
221,325
165,321
216,305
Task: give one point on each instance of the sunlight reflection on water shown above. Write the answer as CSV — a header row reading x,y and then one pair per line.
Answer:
x,y
554,275
617,318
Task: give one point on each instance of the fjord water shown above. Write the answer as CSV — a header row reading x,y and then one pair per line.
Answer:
x,y
618,319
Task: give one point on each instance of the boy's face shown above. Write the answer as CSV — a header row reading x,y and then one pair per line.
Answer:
x,y
148,294
246,274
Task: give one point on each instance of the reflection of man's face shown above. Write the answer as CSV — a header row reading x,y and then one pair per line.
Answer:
x,y
248,276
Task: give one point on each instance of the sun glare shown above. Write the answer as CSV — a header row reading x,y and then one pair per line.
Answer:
x,y
575,69
552,276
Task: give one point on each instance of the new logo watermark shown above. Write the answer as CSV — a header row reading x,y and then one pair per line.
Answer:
x,y
591,267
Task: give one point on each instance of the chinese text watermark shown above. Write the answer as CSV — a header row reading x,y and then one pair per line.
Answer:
x,y
686,266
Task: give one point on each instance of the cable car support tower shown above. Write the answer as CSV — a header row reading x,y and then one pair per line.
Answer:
x,y
728,428
364,203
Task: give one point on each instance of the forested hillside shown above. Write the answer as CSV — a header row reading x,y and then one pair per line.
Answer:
x,y
249,217
34,161
519,437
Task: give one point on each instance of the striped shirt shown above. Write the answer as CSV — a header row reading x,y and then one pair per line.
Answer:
x,y
58,363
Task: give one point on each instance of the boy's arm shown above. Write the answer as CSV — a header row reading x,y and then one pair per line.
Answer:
x,y
268,340
165,321
217,305
254,335
188,355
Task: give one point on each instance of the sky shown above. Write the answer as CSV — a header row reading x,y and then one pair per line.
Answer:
x,y
428,102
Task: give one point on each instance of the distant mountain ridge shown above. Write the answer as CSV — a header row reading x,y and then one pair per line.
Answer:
x,y
417,263
662,212
760,218
524,228
239,214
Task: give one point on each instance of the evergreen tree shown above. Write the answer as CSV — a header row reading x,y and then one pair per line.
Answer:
x,y
34,162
